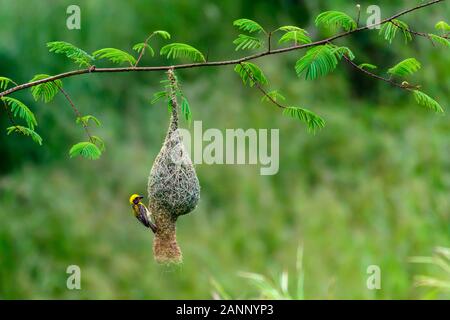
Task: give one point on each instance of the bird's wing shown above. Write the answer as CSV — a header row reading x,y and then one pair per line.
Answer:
x,y
143,215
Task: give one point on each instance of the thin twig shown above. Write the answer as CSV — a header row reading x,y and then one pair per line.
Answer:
x,y
143,49
77,112
373,75
421,34
260,88
213,63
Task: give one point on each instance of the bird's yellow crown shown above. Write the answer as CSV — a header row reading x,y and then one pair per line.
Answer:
x,y
133,197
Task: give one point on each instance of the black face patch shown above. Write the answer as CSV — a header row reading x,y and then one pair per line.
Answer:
x,y
136,200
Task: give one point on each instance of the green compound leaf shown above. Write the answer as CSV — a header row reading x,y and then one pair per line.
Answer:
x,y
440,40
114,55
86,150
26,132
298,36
250,73
274,95
186,110
248,25
4,82
318,61
157,96
405,67
334,20
343,51
182,50
389,30
141,46
290,28
45,91
85,120
163,34
18,108
72,52
313,121
368,66
243,42
99,141
426,101
443,26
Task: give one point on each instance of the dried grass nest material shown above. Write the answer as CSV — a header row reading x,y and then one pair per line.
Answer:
x,y
173,184
173,188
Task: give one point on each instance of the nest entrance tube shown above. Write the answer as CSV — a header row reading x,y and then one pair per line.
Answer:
x,y
173,186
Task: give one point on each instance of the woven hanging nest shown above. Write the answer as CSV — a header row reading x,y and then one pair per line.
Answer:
x,y
173,187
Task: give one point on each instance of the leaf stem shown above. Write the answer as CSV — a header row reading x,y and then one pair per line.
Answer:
x,y
143,49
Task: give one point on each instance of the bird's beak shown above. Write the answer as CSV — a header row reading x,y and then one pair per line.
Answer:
x,y
140,197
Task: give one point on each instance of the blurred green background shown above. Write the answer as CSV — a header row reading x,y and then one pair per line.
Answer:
x,y
372,188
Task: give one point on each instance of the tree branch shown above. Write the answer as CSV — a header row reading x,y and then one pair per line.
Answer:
x,y
214,63
417,33
373,75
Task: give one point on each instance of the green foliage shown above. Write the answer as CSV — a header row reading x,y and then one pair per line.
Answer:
x,y
405,67
163,34
158,95
99,142
248,25
291,28
72,52
244,41
250,73
4,82
141,46
18,108
343,51
176,90
114,55
389,30
334,20
186,110
368,66
26,132
268,289
443,26
318,61
179,50
45,91
85,120
295,35
440,40
86,150
426,101
274,95
441,260
313,121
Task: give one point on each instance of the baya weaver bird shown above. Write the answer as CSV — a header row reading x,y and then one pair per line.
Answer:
x,y
141,212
